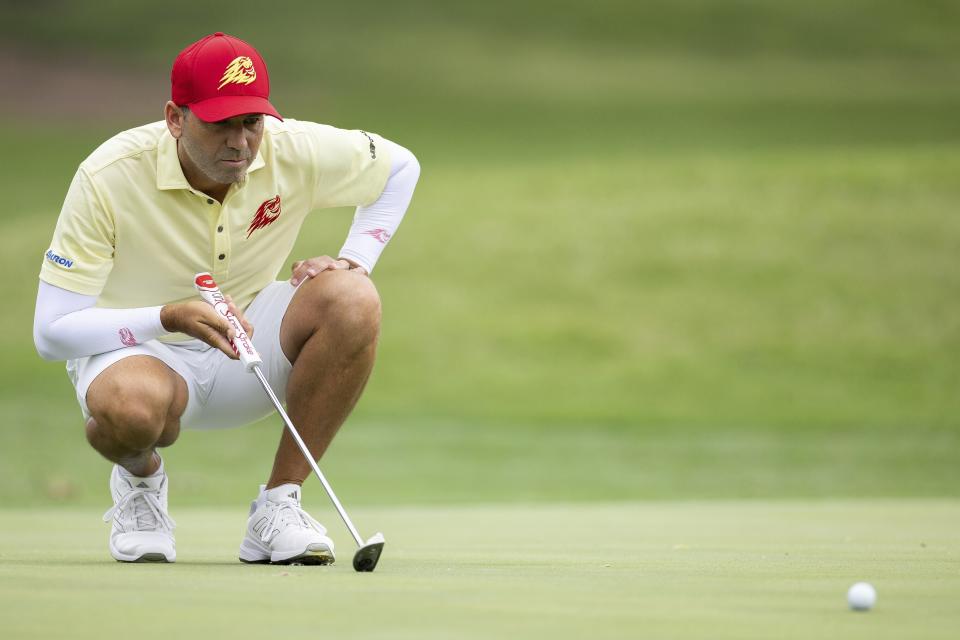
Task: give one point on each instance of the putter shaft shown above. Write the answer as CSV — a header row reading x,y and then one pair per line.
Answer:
x,y
308,455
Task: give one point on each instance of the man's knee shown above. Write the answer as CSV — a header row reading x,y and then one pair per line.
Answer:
x,y
347,300
130,410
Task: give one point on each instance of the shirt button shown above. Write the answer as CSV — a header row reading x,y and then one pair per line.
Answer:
x,y
220,229
222,256
209,200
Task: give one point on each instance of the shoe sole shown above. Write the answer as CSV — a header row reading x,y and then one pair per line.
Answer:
x,y
310,559
148,557
305,560
318,555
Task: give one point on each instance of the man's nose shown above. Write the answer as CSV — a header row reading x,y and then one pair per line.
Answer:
x,y
236,138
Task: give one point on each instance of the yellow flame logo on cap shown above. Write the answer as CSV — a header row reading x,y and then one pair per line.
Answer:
x,y
239,71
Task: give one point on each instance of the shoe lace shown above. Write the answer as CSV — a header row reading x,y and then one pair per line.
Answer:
x,y
289,512
146,514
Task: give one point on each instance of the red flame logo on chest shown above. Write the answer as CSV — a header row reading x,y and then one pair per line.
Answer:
x,y
266,214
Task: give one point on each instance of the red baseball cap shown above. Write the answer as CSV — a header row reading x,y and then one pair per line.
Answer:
x,y
220,77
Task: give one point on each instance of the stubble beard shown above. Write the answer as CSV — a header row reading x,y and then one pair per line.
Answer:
x,y
211,168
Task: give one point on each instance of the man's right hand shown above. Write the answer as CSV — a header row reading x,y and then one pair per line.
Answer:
x,y
199,320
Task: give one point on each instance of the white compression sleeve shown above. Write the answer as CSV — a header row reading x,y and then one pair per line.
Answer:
x,y
373,225
67,325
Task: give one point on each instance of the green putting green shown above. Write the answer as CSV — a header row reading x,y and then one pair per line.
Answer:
x,y
719,569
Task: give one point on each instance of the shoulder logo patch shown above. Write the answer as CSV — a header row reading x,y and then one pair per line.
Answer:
x,y
239,71
266,214
60,260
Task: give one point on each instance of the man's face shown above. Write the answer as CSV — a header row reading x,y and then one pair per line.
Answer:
x,y
222,151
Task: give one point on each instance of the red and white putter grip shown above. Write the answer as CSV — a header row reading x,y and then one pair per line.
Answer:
x,y
210,292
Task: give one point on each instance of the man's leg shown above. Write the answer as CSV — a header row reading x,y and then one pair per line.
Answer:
x,y
135,406
329,332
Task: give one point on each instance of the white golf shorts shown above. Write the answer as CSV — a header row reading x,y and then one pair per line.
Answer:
x,y
222,394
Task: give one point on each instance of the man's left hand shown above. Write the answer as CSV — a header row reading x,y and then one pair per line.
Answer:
x,y
304,269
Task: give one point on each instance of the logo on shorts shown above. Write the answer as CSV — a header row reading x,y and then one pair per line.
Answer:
x,y
60,260
263,215
239,71
373,147
382,235
127,337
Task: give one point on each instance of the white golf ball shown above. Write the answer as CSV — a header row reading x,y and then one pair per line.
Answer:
x,y
862,596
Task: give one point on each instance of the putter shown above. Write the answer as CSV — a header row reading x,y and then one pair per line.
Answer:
x,y
368,553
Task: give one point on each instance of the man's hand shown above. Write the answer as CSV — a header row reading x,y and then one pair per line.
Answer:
x,y
304,269
199,320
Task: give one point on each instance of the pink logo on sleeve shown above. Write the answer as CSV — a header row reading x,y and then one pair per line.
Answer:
x,y
382,235
127,338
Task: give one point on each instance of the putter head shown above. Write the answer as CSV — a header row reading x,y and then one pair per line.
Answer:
x,y
367,556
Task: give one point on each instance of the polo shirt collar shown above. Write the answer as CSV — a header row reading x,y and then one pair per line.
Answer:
x,y
170,174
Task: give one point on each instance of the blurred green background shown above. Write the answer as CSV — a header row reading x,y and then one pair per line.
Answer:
x,y
685,249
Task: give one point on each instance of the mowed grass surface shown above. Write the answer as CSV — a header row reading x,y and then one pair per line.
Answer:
x,y
678,570
392,463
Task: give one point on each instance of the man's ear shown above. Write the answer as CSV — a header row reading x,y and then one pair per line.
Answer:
x,y
174,117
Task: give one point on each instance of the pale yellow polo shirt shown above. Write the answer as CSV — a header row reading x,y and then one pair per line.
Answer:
x,y
133,232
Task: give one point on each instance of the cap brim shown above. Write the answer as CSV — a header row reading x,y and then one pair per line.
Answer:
x,y
224,107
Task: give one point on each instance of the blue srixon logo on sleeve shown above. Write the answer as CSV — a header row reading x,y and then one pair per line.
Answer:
x,y
60,260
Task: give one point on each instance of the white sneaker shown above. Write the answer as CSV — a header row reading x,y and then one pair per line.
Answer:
x,y
142,530
280,531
